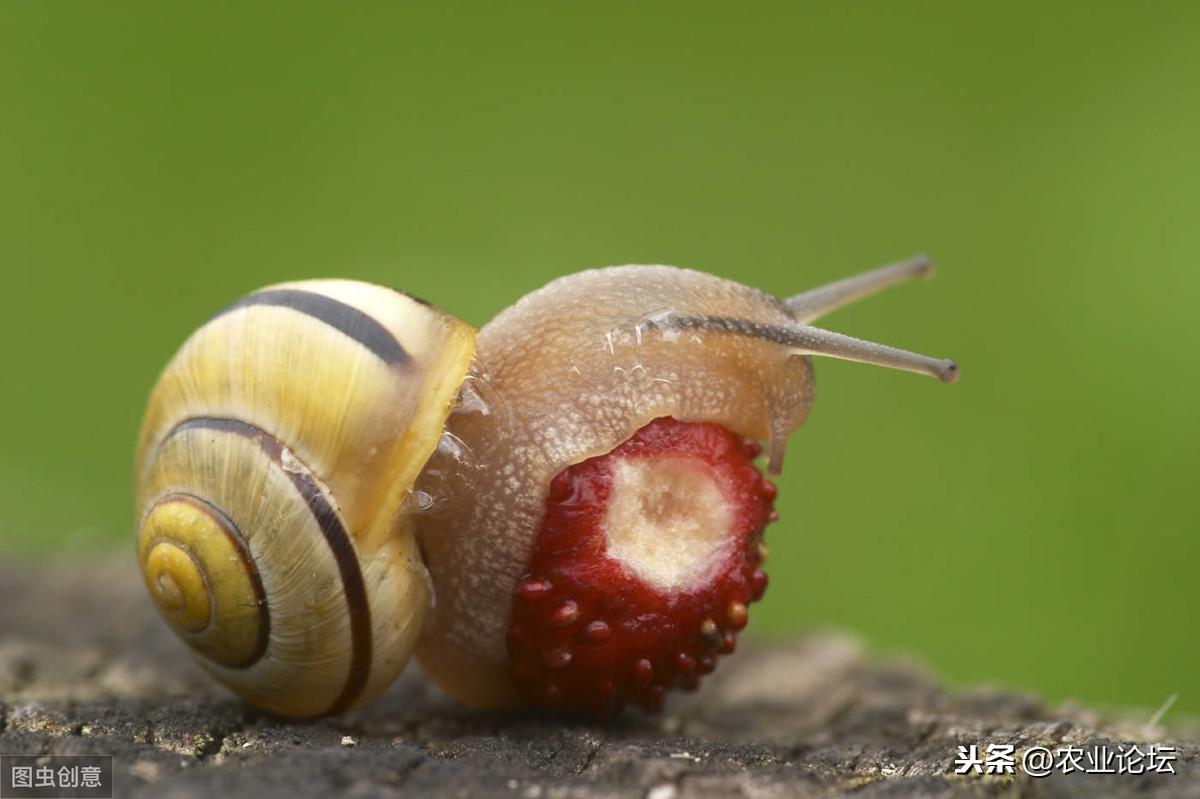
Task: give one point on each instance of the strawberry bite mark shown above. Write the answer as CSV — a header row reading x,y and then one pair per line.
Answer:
x,y
643,570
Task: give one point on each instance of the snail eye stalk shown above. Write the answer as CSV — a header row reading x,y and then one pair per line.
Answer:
x,y
815,303
811,305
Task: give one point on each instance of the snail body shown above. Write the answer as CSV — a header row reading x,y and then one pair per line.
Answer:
x,y
593,534
581,365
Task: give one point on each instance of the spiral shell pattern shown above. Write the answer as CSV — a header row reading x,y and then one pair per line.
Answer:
x,y
275,458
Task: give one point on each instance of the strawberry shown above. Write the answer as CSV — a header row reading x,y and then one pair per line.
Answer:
x,y
642,571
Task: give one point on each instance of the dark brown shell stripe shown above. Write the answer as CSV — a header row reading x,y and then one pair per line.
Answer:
x,y
239,543
415,298
346,319
340,545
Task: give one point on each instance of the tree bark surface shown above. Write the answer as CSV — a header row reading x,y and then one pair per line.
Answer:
x,y
86,667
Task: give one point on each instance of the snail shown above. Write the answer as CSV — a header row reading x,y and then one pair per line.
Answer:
x,y
562,509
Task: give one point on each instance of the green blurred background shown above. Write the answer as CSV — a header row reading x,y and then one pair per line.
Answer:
x,y
1034,525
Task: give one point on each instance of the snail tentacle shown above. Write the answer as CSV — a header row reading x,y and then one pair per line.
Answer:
x,y
815,303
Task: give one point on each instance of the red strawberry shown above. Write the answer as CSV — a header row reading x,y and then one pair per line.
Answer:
x,y
642,570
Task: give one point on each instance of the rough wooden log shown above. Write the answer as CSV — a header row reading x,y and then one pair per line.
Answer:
x,y
86,668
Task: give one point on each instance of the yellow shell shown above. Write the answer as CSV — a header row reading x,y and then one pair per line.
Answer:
x,y
274,461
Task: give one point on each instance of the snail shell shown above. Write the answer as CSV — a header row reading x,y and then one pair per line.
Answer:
x,y
272,470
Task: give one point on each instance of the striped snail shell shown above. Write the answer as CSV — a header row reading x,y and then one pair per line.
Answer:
x,y
272,469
